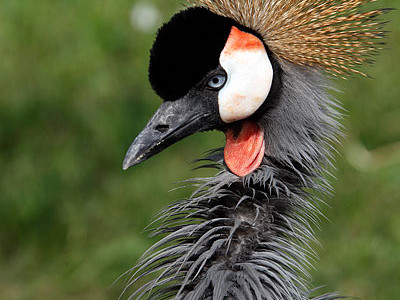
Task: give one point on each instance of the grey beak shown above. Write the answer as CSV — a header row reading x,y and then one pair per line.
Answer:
x,y
173,121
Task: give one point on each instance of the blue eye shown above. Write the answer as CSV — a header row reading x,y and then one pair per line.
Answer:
x,y
217,81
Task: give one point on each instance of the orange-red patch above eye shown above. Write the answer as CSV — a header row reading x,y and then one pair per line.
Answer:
x,y
239,40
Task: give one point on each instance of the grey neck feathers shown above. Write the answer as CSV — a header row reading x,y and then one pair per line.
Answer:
x,y
249,238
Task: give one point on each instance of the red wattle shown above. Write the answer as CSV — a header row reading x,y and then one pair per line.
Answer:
x,y
244,152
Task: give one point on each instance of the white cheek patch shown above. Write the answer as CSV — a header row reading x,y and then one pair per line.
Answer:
x,y
250,74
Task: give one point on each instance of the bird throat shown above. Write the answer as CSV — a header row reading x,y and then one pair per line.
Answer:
x,y
245,148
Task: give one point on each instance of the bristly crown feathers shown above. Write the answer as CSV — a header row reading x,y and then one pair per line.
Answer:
x,y
330,34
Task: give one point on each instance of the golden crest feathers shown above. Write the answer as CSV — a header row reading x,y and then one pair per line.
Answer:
x,y
331,34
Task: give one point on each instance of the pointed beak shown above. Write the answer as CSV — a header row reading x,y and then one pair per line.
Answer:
x,y
173,121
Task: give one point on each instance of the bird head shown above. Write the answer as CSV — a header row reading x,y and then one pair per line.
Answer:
x,y
256,71
213,74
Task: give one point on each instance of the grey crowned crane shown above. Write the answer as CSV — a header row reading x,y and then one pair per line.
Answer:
x,y
257,71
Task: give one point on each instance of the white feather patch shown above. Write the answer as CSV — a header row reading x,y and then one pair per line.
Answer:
x,y
250,74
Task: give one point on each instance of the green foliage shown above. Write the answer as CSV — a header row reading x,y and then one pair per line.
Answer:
x,y
73,95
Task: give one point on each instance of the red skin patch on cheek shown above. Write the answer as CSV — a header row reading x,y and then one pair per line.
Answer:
x,y
239,40
245,152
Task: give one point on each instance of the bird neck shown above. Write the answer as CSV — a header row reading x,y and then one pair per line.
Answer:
x,y
249,237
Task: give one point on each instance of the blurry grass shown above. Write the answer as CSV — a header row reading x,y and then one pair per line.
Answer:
x,y
73,95
360,253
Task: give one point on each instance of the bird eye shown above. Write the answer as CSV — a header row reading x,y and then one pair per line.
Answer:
x,y
217,81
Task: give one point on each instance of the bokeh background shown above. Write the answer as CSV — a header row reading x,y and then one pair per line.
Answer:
x,y
73,95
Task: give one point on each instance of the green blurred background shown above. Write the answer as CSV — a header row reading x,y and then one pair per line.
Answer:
x,y
73,95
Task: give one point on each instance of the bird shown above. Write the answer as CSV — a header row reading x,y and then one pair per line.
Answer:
x,y
262,73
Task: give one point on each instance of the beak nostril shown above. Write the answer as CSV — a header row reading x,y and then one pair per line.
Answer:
x,y
162,128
